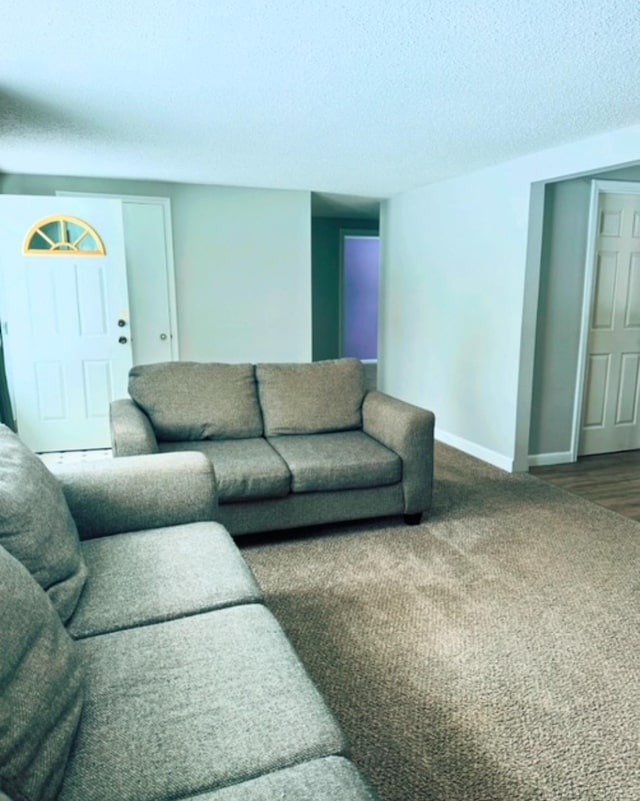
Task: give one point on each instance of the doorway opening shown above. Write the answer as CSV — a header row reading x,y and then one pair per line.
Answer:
x,y
608,385
360,298
564,310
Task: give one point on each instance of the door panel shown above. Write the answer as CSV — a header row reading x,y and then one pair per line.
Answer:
x,y
612,389
597,380
67,354
632,316
628,394
604,299
147,266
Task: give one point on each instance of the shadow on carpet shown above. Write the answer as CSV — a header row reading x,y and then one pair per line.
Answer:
x,y
489,654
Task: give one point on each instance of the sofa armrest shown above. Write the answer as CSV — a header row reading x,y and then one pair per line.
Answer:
x,y
131,429
111,496
408,431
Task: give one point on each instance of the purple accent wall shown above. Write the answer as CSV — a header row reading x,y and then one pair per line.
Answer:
x,y
361,286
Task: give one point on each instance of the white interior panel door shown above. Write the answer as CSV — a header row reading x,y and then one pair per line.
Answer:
x,y
66,318
148,275
610,407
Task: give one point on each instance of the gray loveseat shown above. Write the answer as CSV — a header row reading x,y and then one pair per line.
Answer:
x,y
291,444
137,659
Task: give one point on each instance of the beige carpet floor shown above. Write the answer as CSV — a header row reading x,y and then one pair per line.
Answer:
x,y
490,654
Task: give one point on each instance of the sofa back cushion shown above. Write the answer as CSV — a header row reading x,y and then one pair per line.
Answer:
x,y
42,687
198,400
311,398
36,525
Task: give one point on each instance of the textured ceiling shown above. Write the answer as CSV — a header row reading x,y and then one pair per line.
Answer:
x,y
355,97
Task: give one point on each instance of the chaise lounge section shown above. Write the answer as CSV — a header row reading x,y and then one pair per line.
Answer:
x,y
138,661
292,444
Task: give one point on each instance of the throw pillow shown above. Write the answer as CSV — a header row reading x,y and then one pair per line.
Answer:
x,y
197,400
42,688
36,525
310,398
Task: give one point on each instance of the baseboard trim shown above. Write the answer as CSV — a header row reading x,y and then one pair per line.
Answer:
x,y
544,459
473,449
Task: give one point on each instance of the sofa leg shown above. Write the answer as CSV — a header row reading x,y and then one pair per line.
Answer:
x,y
413,519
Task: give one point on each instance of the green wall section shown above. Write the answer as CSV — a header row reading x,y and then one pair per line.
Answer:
x,y
325,281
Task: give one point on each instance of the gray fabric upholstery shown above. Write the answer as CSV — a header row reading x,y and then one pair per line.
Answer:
x,y
110,496
131,429
191,705
180,682
333,778
311,398
144,577
310,508
408,431
36,525
338,460
41,687
244,468
193,400
320,398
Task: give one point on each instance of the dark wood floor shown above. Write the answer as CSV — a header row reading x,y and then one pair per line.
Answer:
x,y
610,479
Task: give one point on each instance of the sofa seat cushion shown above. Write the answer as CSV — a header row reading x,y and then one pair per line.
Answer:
x,y
311,398
192,705
245,468
333,778
197,400
143,577
41,687
337,461
36,525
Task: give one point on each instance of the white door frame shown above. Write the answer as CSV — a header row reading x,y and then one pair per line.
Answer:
x,y
165,202
597,188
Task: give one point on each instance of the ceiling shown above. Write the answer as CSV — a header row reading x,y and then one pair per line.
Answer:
x,y
364,98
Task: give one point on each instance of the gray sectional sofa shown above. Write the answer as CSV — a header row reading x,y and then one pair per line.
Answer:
x,y
138,661
291,444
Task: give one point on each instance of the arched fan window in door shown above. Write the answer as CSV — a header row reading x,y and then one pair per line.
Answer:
x,y
64,236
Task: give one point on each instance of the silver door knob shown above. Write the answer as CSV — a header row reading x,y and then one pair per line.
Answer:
x,y
163,337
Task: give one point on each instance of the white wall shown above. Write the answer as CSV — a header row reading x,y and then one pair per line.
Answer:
x,y
244,276
452,307
242,264
460,271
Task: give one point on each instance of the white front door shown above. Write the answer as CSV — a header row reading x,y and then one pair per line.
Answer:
x,y
65,314
612,388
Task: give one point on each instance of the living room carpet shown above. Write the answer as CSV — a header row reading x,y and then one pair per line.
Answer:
x,y
491,653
